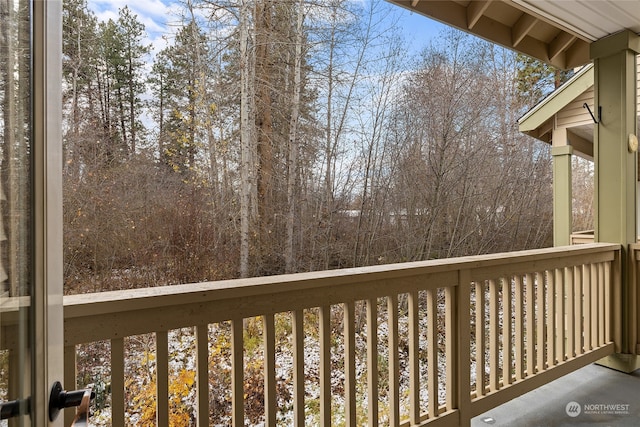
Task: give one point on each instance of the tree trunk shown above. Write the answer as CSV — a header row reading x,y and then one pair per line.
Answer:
x,y
132,100
293,143
264,124
246,134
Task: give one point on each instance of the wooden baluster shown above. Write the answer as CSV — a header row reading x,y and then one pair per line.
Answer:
x,y
540,321
117,382
560,285
162,380
606,285
372,361
432,353
507,339
494,333
394,363
601,304
202,371
70,378
298,367
551,319
414,360
570,313
616,304
350,363
270,398
460,297
325,365
237,372
519,328
480,339
578,323
451,346
586,307
594,306
530,325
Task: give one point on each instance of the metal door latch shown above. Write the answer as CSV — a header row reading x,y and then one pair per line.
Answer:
x,y
14,408
60,399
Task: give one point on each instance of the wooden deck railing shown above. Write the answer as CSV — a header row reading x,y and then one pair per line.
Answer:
x,y
632,301
424,343
582,237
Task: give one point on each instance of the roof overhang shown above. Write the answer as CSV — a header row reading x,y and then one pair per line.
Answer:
x,y
556,32
557,100
571,107
565,107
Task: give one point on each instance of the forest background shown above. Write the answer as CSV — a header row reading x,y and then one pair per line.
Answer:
x,y
271,137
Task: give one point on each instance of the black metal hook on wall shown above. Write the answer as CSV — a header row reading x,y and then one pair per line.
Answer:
x,y
585,105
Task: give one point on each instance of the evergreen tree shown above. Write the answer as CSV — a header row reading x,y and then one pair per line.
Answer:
x,y
132,32
110,85
161,87
180,78
121,82
537,79
80,47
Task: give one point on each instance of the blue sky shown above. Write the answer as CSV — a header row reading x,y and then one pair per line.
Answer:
x,y
419,29
159,16
152,13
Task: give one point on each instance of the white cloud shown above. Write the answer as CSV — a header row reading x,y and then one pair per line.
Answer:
x,y
159,17
156,15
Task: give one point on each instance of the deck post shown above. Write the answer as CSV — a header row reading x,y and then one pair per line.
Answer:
x,y
463,343
615,157
562,194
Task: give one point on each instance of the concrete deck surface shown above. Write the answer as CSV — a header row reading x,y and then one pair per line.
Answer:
x,y
591,396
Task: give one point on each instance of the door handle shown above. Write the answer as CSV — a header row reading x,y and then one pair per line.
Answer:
x,y
82,411
14,408
60,399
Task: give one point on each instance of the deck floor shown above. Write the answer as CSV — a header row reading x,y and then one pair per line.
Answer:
x,y
591,396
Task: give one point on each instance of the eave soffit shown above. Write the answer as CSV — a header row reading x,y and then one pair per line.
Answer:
x,y
558,33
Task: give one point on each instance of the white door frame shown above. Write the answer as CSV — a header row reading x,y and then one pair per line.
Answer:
x,y
47,301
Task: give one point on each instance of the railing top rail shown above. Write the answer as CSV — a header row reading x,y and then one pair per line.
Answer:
x,y
156,297
583,232
9,306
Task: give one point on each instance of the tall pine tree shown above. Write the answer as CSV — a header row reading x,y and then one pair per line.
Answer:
x,y
537,79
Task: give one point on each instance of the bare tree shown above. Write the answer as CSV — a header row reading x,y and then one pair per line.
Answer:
x,y
246,135
475,170
379,161
292,166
